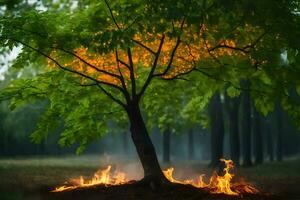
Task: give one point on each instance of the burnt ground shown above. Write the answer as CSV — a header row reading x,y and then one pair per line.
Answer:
x,y
135,191
33,178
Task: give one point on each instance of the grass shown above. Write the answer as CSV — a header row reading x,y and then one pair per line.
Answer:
x,y
22,177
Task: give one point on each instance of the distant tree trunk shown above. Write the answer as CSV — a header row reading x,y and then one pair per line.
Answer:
x,y
246,127
268,139
279,132
270,142
144,147
5,143
191,149
217,130
43,147
125,141
2,142
1,145
166,145
232,107
2,134
257,134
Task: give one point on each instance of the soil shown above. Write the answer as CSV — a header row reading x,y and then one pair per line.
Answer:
x,y
134,191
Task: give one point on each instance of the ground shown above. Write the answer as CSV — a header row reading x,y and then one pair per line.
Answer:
x,y
31,178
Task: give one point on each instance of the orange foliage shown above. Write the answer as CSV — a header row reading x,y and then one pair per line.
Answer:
x,y
192,49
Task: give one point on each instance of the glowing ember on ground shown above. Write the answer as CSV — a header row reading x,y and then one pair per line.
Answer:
x,y
217,184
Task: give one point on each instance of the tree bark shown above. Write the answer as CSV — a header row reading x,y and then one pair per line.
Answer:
x,y
232,107
191,149
257,134
246,127
166,145
145,148
217,130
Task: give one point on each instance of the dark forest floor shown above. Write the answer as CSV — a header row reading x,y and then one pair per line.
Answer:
x,y
33,178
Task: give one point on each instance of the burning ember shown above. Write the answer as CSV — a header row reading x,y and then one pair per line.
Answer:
x,y
217,184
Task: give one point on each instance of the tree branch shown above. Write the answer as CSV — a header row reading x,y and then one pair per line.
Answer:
x,y
212,55
151,74
87,85
62,67
112,15
127,96
230,83
87,63
144,46
132,78
178,76
123,63
118,101
242,49
69,52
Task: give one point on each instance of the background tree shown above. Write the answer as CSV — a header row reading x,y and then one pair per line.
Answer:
x,y
217,130
246,127
232,105
257,137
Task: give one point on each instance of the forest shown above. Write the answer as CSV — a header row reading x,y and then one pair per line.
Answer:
x,y
149,99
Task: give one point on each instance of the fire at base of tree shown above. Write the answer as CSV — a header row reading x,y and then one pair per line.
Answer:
x,y
216,185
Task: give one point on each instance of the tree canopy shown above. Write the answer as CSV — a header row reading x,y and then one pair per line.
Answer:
x,y
95,57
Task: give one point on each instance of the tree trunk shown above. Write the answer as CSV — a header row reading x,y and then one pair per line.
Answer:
x,y
43,147
2,141
217,130
5,144
2,134
191,149
246,128
144,147
257,134
270,148
279,133
166,145
232,106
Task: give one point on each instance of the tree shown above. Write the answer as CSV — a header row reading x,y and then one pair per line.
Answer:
x,y
246,127
257,137
217,130
166,145
114,50
279,128
232,105
191,149
269,137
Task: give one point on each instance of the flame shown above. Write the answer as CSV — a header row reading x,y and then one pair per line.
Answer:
x,y
217,184
100,177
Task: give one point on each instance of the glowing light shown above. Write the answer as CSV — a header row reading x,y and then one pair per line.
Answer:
x,y
105,177
217,184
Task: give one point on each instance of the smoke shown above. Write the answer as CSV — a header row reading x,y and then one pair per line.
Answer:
x,y
130,166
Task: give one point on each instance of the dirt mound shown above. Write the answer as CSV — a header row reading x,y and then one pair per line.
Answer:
x,y
137,191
